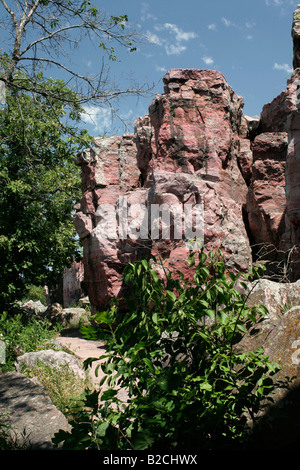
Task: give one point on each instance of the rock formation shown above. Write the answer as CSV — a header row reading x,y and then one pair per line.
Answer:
x,y
190,151
296,37
238,176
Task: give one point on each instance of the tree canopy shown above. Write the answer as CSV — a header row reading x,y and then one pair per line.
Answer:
x,y
39,132
39,185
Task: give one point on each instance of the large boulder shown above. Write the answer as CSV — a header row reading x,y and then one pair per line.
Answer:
x,y
28,412
279,331
52,358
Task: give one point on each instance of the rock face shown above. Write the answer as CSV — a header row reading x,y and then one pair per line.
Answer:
x,y
72,278
190,153
296,37
228,179
274,195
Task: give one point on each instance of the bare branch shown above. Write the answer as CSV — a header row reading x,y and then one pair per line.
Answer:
x,y
12,14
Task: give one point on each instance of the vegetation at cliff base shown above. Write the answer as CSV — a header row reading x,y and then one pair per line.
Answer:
x,y
175,351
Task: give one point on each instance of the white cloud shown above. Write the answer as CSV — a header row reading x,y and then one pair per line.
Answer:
x,y
279,3
249,37
159,68
145,13
227,22
173,42
285,67
180,35
208,60
212,27
153,38
250,24
274,2
100,118
175,49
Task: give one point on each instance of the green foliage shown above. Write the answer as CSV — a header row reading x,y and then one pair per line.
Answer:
x,y
21,335
35,293
39,184
63,385
175,351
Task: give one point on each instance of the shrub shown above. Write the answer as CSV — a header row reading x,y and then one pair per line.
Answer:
x,y
175,351
21,335
35,293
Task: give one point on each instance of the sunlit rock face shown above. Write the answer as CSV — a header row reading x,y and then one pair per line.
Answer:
x,y
273,203
195,167
190,156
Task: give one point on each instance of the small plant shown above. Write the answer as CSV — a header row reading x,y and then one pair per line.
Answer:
x,y
63,385
175,351
9,439
286,307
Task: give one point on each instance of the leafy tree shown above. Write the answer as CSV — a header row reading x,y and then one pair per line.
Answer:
x,y
39,185
39,182
175,351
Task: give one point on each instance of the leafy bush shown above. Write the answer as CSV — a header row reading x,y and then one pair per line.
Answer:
x,y
22,335
35,293
175,351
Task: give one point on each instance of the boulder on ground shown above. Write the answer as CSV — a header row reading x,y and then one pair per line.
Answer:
x,y
52,358
27,409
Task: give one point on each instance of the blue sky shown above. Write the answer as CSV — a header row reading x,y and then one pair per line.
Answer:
x,y
249,42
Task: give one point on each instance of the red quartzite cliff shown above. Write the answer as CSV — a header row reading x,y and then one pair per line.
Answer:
x,y
195,148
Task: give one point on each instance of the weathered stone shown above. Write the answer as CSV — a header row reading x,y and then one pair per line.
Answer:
x,y
266,199
72,278
28,410
196,145
276,296
33,307
52,358
296,37
69,318
188,150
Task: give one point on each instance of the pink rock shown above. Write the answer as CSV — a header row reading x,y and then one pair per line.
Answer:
x,y
266,202
186,153
194,149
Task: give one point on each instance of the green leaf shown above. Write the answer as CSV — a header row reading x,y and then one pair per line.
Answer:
x,y
102,428
206,386
171,295
108,394
145,264
141,441
149,364
154,275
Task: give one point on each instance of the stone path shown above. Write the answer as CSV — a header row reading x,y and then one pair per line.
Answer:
x,y
85,349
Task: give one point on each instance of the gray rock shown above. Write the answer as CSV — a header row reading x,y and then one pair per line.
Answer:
x,y
278,297
70,318
28,410
34,307
53,358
